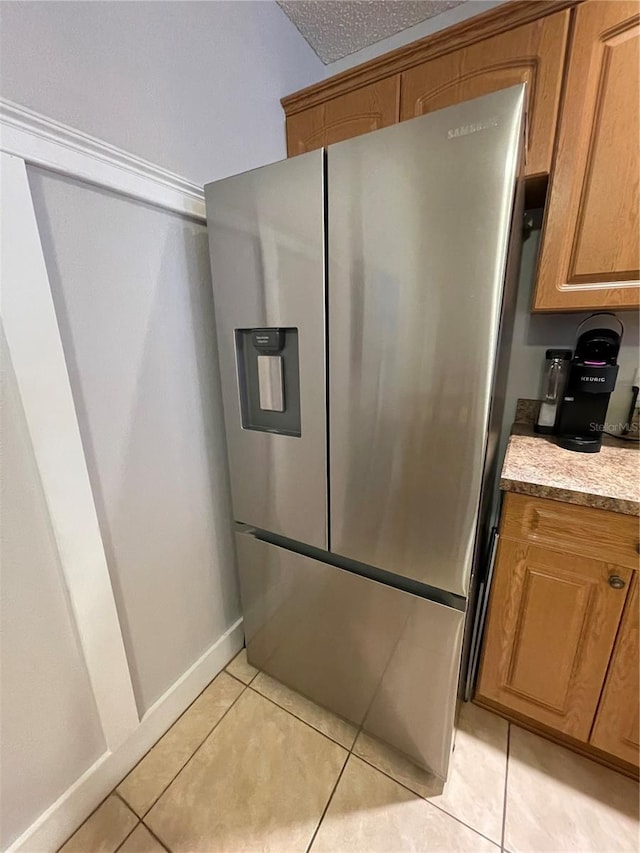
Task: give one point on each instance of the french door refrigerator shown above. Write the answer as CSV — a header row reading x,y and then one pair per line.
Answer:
x,y
362,323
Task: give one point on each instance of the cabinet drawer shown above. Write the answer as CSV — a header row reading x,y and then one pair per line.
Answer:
x,y
595,533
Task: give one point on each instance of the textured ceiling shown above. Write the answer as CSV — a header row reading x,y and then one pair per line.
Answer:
x,y
336,28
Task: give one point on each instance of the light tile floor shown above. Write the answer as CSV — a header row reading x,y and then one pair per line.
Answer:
x,y
251,765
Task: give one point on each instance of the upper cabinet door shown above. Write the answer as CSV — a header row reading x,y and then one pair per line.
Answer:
x,y
360,111
532,54
590,255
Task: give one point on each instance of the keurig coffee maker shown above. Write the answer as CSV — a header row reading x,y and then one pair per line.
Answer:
x,y
592,378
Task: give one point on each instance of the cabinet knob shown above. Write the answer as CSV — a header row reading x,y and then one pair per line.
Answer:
x,y
616,582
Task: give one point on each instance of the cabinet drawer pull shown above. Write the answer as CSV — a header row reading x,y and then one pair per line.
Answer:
x,y
617,582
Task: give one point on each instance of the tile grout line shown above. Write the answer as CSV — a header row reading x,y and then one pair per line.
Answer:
x,y
239,680
91,814
360,729
58,849
506,782
152,833
425,800
350,751
245,686
326,808
128,835
141,818
122,800
335,787
173,778
136,825
139,823
286,711
196,750
237,677
155,743
295,716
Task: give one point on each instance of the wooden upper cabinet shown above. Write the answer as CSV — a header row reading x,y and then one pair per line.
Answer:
x,y
360,111
552,624
616,728
532,54
590,251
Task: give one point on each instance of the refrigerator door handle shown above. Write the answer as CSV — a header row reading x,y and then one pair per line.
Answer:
x,y
484,585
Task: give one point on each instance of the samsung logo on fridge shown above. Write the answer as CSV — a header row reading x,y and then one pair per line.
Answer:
x,y
474,127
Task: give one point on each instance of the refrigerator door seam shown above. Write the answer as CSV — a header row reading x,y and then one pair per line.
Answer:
x,y
422,590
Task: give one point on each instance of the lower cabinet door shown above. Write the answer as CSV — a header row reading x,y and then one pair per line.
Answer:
x,y
378,656
551,628
616,726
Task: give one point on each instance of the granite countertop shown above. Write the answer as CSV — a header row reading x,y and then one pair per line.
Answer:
x,y
535,465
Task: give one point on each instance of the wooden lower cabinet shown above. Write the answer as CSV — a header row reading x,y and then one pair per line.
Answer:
x,y
560,650
616,726
551,628
368,108
533,54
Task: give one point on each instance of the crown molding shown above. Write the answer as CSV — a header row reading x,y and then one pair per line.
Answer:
x,y
42,141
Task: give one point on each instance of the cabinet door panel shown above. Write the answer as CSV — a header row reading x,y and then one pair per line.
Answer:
x,y
616,726
363,110
590,254
532,54
552,624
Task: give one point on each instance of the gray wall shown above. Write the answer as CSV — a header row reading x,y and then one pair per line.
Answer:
x,y
50,731
191,86
134,302
534,333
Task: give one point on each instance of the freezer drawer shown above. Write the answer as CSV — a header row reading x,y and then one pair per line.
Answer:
x,y
266,241
381,657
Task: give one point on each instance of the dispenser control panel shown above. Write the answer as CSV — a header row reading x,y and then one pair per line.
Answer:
x,y
268,341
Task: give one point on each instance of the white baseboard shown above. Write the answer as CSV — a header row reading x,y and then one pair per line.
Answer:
x,y
57,823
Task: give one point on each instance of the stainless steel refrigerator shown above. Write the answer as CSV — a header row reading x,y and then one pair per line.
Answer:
x,y
362,310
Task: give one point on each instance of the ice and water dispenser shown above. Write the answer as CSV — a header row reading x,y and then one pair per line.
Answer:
x,y
269,379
